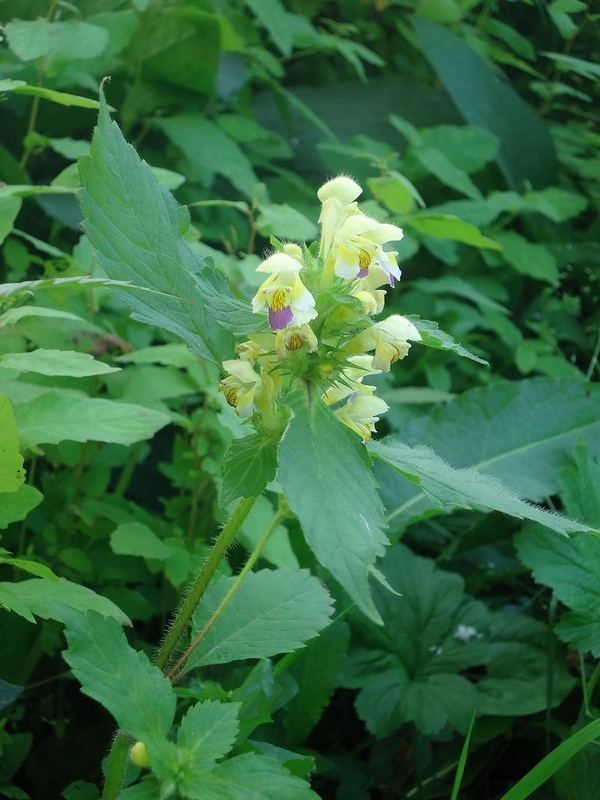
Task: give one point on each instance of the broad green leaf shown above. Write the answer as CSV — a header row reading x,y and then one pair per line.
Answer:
x,y
9,208
249,465
528,258
571,567
56,362
273,611
325,474
60,42
254,777
578,486
522,432
438,164
317,672
209,151
14,506
76,284
48,599
445,226
449,488
32,567
53,417
467,147
137,539
134,691
409,670
488,102
136,226
396,192
272,15
12,474
433,336
557,204
208,731
284,222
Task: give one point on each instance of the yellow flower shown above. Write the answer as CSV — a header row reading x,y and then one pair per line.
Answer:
x,y
357,248
338,202
295,339
361,412
388,338
288,300
240,386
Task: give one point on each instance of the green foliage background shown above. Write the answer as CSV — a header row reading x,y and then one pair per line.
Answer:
x,y
473,125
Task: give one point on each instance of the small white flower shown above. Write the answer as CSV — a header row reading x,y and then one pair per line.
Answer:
x,y
467,632
288,300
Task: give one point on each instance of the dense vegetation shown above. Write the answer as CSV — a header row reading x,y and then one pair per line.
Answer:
x,y
469,653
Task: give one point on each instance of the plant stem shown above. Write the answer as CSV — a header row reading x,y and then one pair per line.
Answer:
x,y
116,766
176,670
200,585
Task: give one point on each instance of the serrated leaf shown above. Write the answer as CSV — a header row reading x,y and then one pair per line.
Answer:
x,y
254,777
14,506
48,599
208,731
53,417
137,694
451,488
433,336
571,567
272,612
12,474
56,362
408,670
522,432
327,480
528,258
438,164
249,465
136,226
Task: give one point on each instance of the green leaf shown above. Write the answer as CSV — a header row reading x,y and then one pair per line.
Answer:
x,y
56,362
272,612
14,506
50,599
578,483
254,777
528,258
326,477
137,539
449,488
468,148
53,417
588,69
522,432
544,769
285,222
210,151
208,731
249,465
12,474
32,567
278,550
317,672
272,15
61,98
9,208
445,226
438,164
134,691
136,226
490,103
433,336
571,567
408,670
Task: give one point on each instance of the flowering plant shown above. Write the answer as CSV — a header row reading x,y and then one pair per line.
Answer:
x,y
320,301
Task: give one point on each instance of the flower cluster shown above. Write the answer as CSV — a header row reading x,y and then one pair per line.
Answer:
x,y
319,303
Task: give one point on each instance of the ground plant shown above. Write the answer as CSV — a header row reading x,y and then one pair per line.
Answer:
x,y
299,403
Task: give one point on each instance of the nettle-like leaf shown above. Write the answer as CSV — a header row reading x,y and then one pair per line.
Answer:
x,y
521,432
136,227
411,670
12,474
273,611
52,599
56,362
249,465
449,488
138,695
325,473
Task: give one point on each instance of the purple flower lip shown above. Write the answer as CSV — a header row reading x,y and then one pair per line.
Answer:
x,y
278,320
363,273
